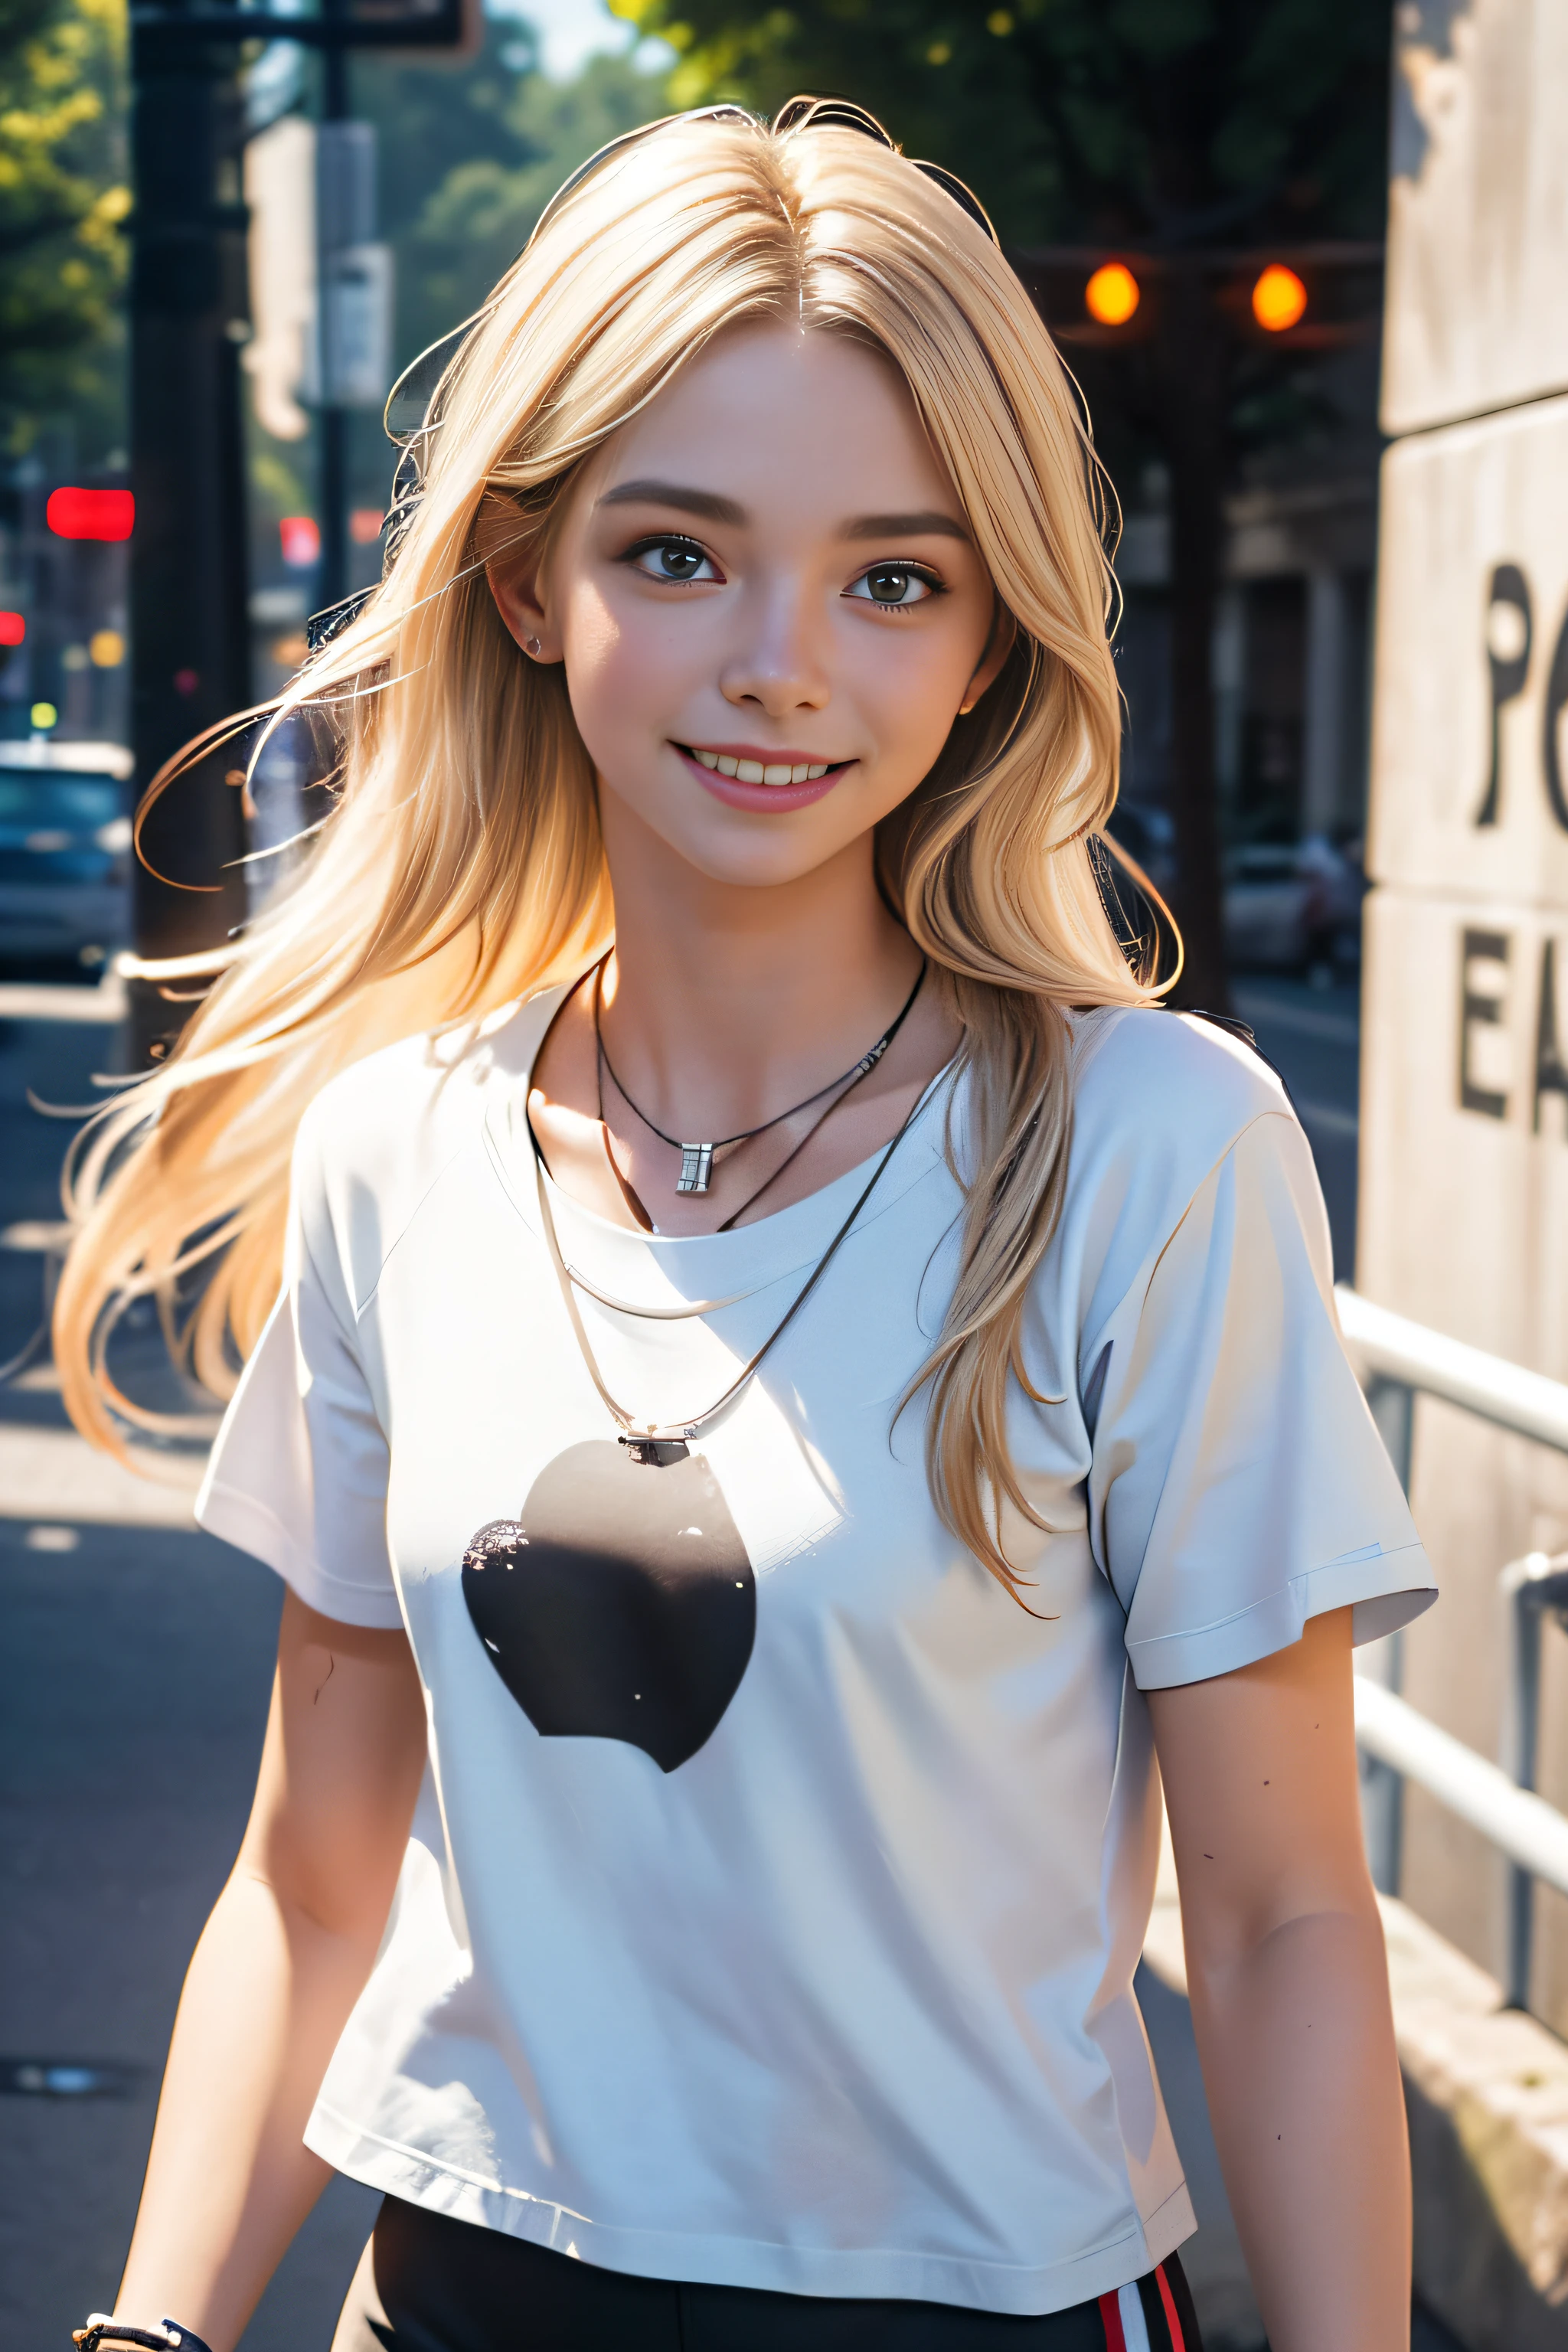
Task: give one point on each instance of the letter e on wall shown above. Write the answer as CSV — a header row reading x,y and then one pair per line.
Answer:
x,y
1483,999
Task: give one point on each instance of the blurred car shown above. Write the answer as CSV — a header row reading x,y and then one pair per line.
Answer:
x,y
1292,906
64,852
1148,835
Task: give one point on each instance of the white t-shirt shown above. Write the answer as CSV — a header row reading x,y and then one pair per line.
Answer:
x,y
806,1962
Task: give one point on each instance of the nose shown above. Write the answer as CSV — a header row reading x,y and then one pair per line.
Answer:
x,y
778,663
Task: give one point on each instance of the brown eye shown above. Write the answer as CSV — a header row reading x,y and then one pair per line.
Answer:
x,y
670,558
894,586
677,561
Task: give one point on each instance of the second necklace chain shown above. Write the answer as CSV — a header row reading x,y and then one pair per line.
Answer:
x,y
697,1158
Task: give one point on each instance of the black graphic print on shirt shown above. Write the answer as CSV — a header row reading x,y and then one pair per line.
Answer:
x,y
620,1605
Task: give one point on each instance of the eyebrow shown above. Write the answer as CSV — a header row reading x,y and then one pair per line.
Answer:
x,y
711,508
706,503
906,526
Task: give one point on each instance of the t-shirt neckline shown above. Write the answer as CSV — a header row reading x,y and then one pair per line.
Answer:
x,y
750,1254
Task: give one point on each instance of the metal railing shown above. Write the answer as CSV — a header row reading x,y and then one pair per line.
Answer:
x,y
1399,1360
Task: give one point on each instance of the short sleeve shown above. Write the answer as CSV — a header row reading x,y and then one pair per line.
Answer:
x,y
299,1472
1238,1484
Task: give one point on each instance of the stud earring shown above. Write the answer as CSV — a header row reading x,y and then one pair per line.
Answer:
x,y
534,648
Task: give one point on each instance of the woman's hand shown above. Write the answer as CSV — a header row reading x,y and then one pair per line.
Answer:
x,y
282,1961
1288,1983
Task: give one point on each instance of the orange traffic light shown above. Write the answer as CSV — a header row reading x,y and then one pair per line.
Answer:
x,y
1278,298
1113,294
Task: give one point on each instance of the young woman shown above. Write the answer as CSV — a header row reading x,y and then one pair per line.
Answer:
x,y
795,1380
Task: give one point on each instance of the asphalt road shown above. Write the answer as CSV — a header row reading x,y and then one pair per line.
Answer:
x,y
137,1657
1312,1036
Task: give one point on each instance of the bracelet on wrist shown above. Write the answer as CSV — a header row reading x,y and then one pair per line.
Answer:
x,y
167,2336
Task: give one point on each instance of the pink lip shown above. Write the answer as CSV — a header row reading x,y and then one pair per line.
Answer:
x,y
765,797
772,755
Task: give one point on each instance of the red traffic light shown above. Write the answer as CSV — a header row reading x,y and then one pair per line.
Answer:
x,y
300,537
12,628
1278,298
91,514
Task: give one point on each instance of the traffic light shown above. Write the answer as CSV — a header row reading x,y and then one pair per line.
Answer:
x,y
1308,298
91,514
1113,294
1278,298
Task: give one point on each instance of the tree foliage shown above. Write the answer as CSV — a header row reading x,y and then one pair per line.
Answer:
x,y
63,195
1173,121
493,138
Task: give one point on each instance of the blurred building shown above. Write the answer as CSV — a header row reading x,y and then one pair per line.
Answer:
x,y
63,623
1292,656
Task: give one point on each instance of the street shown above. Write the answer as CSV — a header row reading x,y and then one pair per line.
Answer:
x,y
138,1656
1312,1036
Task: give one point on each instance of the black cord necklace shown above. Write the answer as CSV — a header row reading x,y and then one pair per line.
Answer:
x,y
697,1158
655,1444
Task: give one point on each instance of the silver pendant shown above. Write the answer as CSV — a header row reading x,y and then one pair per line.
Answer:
x,y
654,1453
695,1167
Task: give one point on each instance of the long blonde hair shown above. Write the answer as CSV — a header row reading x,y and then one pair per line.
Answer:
x,y
462,866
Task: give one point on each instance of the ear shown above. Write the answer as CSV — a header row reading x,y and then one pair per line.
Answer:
x,y
519,593
998,645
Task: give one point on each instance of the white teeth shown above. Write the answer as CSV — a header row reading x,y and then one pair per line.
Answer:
x,y
755,771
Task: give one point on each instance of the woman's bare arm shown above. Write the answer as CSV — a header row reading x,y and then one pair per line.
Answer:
x,y
1290,1990
280,1963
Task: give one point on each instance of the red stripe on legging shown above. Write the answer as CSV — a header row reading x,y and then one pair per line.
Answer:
x,y
1178,2342
1111,2320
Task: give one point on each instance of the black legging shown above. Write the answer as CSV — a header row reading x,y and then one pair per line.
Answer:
x,y
441,2285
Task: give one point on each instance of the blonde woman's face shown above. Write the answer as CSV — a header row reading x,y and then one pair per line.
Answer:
x,y
768,604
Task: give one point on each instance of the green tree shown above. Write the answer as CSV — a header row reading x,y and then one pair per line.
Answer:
x,y
470,151
493,139
62,199
1150,119
1174,127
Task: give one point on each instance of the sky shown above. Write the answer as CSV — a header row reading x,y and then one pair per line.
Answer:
x,y
570,31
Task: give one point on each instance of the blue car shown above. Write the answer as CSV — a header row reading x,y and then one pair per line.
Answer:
x,y
64,852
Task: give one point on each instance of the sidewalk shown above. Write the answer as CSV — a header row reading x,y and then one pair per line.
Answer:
x,y
137,1659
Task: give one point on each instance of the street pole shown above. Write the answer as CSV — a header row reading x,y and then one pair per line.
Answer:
x,y
190,664
330,206
1192,368
190,646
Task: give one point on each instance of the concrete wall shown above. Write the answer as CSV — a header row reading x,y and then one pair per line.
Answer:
x,y
1464,1177
1478,210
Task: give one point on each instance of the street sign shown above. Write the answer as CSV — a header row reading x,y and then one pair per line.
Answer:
x,y
347,25
406,23
356,326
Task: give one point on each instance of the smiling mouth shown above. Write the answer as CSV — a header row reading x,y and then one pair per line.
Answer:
x,y
763,772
